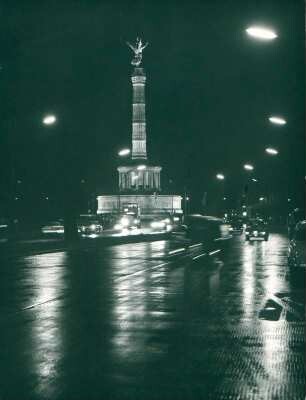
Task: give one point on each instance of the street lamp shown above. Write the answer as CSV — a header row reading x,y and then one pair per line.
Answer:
x,y
124,152
49,119
248,167
221,177
277,120
271,151
261,33
254,180
261,198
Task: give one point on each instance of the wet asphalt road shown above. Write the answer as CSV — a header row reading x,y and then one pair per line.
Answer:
x,y
132,321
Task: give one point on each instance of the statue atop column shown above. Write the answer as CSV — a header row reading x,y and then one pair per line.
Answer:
x,y
137,49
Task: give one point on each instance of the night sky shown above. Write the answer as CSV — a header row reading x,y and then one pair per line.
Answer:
x,y
210,90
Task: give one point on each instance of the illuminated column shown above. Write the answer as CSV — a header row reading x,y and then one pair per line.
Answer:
x,y
139,148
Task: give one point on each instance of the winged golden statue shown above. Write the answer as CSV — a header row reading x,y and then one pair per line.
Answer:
x,y
137,49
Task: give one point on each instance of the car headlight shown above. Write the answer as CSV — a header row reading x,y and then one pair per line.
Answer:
x,y
136,221
93,226
124,222
263,233
118,226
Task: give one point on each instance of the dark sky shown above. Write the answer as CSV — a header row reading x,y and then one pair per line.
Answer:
x,y
210,90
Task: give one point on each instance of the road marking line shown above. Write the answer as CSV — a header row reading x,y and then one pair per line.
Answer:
x,y
41,303
180,250
201,255
142,270
195,245
214,252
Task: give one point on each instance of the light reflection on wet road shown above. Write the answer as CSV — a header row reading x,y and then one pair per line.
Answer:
x,y
122,322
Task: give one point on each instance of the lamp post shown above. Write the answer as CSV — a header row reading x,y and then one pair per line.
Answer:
x,y
249,168
187,198
122,153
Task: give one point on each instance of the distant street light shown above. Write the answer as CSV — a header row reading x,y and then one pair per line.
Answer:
x,y
221,177
261,198
141,167
262,33
124,152
248,167
254,180
49,119
277,120
271,151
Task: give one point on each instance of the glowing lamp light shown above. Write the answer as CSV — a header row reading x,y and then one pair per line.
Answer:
x,y
49,119
254,180
277,120
262,33
271,151
221,177
141,167
248,167
261,198
124,152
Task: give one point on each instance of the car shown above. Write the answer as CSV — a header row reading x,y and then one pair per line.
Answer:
x,y
296,250
208,230
257,229
236,226
161,224
89,226
53,228
127,221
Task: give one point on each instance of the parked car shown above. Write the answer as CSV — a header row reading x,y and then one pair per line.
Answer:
x,y
296,250
257,229
53,228
210,231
